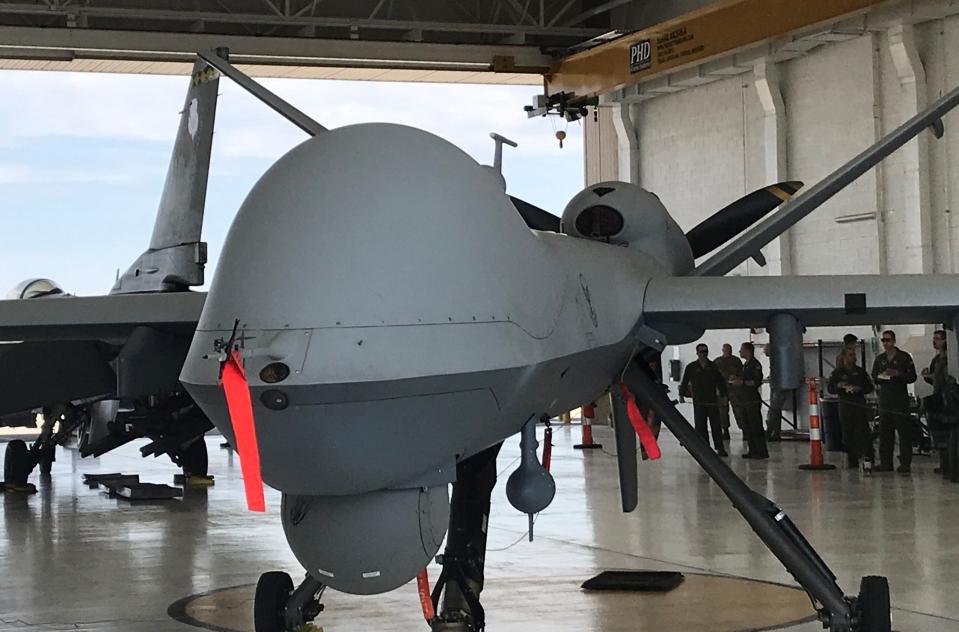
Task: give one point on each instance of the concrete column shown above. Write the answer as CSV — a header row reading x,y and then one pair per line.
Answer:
x,y
601,155
766,81
952,345
883,259
914,178
627,136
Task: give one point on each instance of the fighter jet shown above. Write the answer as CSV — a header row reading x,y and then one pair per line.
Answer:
x,y
118,382
382,319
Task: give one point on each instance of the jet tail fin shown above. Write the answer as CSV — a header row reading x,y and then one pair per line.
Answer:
x,y
176,256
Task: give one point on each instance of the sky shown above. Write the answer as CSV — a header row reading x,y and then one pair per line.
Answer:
x,y
83,157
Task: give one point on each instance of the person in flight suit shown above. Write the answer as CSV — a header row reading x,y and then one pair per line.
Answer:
x,y
936,375
705,384
751,403
852,384
731,367
892,372
939,367
849,340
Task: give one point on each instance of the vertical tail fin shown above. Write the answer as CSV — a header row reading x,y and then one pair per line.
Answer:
x,y
176,257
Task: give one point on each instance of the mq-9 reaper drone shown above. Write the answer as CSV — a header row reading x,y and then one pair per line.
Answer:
x,y
387,293
385,319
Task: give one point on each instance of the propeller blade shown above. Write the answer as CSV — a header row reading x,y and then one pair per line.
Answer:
x,y
535,217
738,216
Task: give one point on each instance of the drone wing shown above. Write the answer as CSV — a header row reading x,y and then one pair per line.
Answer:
x,y
738,302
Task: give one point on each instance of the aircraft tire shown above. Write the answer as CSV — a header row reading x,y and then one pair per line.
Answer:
x,y
16,463
273,590
874,605
195,459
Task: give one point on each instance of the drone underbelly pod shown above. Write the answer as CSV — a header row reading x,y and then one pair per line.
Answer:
x,y
368,543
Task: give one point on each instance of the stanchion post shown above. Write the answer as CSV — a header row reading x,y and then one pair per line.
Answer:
x,y
589,413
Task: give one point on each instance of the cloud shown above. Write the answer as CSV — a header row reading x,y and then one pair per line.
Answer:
x,y
146,108
14,173
87,154
88,105
462,114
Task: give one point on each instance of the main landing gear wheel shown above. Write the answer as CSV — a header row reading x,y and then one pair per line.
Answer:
x,y
17,463
874,606
269,605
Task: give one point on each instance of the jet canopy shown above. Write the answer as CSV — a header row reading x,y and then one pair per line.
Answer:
x,y
34,288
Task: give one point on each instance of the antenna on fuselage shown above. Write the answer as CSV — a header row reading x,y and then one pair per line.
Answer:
x,y
498,151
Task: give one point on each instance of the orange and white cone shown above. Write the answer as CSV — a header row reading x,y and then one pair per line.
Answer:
x,y
816,461
589,413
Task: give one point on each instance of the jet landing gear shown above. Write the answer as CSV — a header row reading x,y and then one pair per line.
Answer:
x,y
868,612
277,607
456,594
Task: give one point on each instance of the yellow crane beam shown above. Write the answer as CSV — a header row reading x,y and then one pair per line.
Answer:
x,y
713,31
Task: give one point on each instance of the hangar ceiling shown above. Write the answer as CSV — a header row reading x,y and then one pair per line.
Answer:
x,y
458,39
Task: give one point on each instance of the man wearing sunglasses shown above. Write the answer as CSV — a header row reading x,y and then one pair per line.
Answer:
x,y
705,384
892,371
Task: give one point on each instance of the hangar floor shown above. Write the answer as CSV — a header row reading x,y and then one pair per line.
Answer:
x,y
72,558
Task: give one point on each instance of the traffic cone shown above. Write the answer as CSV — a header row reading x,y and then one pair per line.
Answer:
x,y
589,413
815,432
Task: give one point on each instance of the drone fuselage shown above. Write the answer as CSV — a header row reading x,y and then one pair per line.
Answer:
x,y
421,321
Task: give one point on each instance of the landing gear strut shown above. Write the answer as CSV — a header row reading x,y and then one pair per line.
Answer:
x,y
456,594
869,612
195,461
277,607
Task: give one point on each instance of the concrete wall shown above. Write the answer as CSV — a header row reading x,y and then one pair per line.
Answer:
x,y
703,146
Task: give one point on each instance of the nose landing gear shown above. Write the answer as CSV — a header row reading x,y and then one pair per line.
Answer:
x,y
873,605
277,607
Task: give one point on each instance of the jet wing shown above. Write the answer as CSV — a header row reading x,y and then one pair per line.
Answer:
x,y
738,302
37,373
105,318
58,349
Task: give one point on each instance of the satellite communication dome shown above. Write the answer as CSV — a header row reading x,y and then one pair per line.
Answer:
x,y
624,214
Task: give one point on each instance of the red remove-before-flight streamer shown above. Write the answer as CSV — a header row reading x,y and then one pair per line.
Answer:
x,y
646,437
237,391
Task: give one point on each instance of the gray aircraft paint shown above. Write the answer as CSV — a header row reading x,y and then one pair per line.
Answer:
x,y
99,327
445,334
176,257
396,517
425,322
